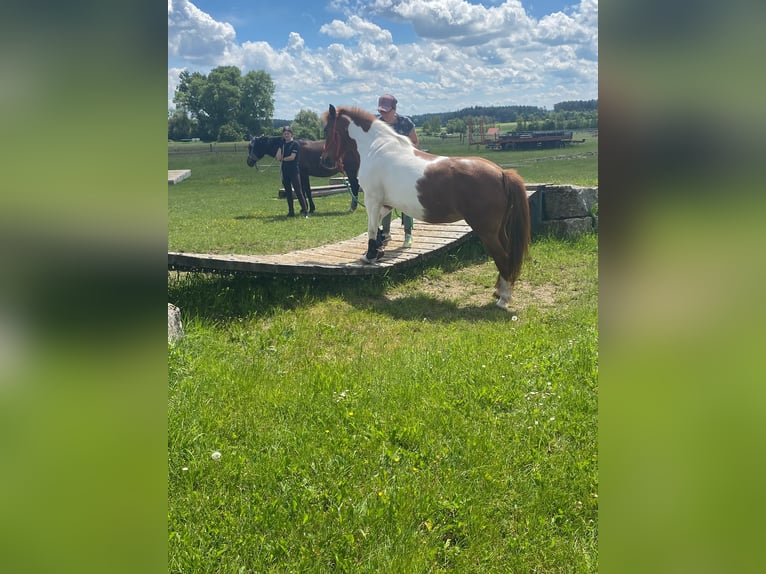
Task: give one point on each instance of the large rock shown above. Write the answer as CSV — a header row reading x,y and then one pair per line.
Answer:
x,y
175,327
571,227
568,201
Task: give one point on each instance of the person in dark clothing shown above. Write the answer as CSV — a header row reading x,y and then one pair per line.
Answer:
x,y
288,155
402,125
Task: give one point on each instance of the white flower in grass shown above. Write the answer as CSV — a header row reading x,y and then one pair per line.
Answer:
x,y
340,396
216,455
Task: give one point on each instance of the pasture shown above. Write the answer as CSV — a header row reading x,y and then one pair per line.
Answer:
x,y
386,424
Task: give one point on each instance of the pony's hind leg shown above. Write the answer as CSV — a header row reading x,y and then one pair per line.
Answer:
x,y
499,256
502,292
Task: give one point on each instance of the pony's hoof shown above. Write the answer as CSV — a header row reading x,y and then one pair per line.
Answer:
x,y
502,303
366,258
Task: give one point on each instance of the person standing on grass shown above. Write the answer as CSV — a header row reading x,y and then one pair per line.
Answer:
x,y
288,155
404,126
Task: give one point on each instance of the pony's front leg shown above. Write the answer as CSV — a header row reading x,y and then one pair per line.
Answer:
x,y
374,251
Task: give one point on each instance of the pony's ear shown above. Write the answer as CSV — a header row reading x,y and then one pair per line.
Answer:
x,y
332,112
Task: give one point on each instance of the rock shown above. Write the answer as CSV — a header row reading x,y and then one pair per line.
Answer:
x,y
567,201
175,327
568,227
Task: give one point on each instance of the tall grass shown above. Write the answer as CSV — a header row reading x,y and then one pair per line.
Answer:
x,y
378,424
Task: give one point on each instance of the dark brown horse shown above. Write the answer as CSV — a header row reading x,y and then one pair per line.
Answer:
x,y
434,189
309,158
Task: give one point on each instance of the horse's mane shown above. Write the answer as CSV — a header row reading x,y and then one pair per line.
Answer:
x,y
365,120
359,116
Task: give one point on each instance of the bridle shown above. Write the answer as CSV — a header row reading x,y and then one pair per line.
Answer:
x,y
339,161
336,141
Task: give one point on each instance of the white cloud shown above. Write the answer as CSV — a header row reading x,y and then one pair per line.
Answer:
x,y
457,21
193,34
338,29
357,27
466,54
295,43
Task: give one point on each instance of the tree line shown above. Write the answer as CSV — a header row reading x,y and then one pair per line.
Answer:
x,y
226,105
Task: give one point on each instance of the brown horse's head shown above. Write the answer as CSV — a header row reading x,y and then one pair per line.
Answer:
x,y
332,152
339,147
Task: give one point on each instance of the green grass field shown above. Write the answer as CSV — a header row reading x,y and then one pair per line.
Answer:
x,y
388,424
228,207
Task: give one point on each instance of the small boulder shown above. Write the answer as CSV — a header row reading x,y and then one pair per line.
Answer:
x,y
175,327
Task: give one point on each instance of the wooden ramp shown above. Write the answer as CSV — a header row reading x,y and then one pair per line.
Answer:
x,y
176,175
337,258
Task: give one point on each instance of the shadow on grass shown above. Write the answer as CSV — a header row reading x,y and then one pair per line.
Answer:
x,y
275,218
423,306
224,296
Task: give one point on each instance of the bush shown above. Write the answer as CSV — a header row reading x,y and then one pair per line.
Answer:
x,y
230,132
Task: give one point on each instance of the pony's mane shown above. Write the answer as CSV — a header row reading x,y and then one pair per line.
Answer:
x,y
358,115
365,120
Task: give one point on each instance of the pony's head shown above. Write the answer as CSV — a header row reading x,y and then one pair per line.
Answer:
x,y
337,141
259,147
332,153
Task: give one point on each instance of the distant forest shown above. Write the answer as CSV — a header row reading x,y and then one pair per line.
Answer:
x,y
576,114
504,114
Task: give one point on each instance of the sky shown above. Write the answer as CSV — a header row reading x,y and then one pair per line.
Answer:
x,y
433,55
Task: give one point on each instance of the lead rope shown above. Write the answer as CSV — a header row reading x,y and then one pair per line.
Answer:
x,y
339,161
351,191
272,164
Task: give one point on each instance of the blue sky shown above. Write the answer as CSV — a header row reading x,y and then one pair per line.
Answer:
x,y
434,55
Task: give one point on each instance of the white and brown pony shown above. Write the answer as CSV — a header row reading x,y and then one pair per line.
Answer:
x,y
434,189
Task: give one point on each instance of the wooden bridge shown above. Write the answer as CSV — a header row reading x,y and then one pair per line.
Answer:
x,y
337,258
342,258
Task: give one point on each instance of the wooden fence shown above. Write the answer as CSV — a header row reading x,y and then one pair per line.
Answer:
x,y
203,147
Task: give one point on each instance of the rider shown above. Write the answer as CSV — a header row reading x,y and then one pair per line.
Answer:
x,y
288,155
404,126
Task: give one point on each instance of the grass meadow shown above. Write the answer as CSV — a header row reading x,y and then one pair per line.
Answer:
x,y
399,423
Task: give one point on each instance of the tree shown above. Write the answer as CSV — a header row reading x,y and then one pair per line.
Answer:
x,y
433,125
256,103
456,126
307,125
179,126
226,104
230,132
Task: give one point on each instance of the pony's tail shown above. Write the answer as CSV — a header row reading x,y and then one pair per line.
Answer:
x,y
517,223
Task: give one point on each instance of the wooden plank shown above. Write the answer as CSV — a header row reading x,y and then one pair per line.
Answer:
x,y
177,175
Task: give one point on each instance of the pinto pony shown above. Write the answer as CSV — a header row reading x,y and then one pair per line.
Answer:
x,y
434,189
309,162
